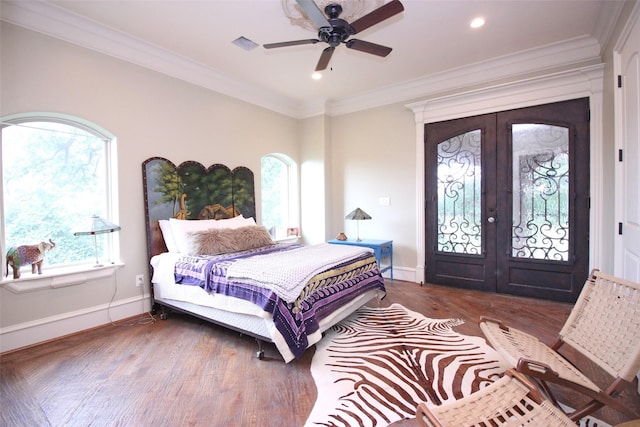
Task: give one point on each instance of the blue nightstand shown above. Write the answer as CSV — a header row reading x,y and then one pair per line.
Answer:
x,y
382,249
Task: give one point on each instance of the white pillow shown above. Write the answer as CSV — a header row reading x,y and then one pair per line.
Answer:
x,y
235,222
248,221
167,235
181,227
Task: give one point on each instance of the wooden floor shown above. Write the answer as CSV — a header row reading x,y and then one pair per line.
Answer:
x,y
184,372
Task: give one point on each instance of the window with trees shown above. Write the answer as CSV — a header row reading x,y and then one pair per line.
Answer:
x,y
57,172
279,195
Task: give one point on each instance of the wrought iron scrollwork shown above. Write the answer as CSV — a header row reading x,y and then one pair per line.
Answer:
x,y
459,194
540,192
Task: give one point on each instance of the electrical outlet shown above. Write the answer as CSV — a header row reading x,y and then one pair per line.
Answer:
x,y
139,279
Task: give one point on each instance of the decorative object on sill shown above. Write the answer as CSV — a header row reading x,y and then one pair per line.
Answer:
x,y
27,254
97,225
293,231
358,214
341,236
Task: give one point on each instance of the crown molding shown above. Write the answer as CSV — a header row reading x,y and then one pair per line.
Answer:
x,y
542,60
606,23
552,87
633,17
49,19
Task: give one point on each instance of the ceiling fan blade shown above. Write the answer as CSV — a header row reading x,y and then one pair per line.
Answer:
x,y
368,47
291,43
314,13
325,58
380,14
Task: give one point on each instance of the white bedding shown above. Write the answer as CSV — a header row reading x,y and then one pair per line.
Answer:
x,y
288,272
236,313
165,288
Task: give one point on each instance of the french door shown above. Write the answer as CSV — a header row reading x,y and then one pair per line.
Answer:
x,y
507,201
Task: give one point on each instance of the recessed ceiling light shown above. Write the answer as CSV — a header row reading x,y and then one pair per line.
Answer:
x,y
477,22
316,76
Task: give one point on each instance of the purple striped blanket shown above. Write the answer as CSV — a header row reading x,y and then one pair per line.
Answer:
x,y
295,321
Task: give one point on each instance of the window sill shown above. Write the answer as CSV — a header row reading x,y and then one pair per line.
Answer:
x,y
58,278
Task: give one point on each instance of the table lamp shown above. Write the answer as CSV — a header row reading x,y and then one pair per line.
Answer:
x,y
96,226
358,214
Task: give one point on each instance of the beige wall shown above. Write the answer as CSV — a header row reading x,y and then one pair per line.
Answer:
x,y
315,199
344,162
373,156
151,115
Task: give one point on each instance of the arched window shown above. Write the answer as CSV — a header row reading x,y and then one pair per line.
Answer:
x,y
57,172
279,182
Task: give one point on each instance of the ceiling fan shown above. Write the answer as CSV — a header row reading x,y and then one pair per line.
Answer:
x,y
333,30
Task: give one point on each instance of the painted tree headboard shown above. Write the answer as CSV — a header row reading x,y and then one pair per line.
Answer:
x,y
192,191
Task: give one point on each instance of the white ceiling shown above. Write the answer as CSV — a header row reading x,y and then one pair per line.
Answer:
x,y
193,40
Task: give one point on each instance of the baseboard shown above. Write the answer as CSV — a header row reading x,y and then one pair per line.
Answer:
x,y
38,331
49,328
401,273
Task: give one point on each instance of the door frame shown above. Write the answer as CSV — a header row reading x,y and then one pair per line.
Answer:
x,y
620,118
577,83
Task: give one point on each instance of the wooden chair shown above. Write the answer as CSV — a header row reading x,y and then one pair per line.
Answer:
x,y
509,402
604,326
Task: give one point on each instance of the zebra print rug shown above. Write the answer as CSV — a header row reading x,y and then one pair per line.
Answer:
x,y
373,368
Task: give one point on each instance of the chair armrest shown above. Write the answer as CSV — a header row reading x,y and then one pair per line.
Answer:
x,y
536,369
493,320
425,417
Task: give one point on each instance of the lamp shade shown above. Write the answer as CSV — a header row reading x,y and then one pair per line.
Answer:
x,y
97,225
358,213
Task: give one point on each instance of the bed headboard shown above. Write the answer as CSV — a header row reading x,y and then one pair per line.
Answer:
x,y
192,191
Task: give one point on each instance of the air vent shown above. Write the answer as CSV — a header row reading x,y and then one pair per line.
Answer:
x,y
245,43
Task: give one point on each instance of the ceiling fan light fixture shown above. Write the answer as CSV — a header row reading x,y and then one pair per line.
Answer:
x,y
351,9
335,31
317,75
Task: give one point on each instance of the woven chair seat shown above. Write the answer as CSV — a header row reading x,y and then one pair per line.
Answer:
x,y
515,344
604,327
511,401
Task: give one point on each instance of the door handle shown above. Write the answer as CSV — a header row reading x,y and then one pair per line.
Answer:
x,y
491,220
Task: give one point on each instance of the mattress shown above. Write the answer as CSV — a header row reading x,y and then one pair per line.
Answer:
x,y
248,317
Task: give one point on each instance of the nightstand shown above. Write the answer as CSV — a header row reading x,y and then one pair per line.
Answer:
x,y
382,249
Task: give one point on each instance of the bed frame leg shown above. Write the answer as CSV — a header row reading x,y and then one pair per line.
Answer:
x,y
260,352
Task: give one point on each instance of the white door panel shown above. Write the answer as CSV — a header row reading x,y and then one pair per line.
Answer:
x,y
628,179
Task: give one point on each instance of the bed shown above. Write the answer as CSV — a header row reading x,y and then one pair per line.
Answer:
x,y
209,258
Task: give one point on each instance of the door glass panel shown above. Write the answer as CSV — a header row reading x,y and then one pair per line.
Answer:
x,y
540,192
459,194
